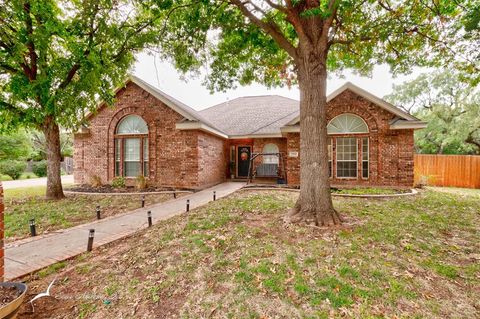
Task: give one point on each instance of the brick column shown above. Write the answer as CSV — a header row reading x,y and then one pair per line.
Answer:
x,y
2,232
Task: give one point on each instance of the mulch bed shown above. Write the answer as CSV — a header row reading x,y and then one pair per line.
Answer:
x,y
109,189
7,295
380,191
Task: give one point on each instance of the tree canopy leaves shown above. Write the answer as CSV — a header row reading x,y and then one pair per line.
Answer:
x,y
58,58
450,107
258,41
15,146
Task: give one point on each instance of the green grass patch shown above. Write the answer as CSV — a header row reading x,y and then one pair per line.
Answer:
x,y
23,204
24,192
235,258
26,175
51,269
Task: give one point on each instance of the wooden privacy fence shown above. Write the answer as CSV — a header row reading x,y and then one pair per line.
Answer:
x,y
448,170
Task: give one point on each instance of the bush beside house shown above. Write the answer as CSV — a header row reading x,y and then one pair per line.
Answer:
x,y
40,168
13,168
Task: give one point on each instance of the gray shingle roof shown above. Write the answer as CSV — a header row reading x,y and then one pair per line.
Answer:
x,y
252,115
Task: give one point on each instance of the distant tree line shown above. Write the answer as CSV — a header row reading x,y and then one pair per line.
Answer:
x,y
450,105
20,146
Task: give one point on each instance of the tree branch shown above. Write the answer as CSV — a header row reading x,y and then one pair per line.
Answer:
x,y
276,6
270,28
76,66
341,41
69,76
11,108
8,68
471,140
30,44
332,7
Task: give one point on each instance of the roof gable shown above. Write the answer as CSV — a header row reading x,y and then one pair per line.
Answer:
x,y
192,119
368,96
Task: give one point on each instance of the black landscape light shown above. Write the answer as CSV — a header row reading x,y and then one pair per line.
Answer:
x,y
91,235
188,205
98,213
33,230
149,216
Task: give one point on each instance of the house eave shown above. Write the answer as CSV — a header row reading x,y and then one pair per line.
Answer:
x,y
290,129
185,126
408,125
397,125
271,135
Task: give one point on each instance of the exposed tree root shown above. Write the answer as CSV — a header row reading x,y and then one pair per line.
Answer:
x,y
315,217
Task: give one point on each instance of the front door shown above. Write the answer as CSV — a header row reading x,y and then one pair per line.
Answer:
x,y
243,160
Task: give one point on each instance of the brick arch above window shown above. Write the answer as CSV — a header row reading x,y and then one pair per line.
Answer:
x,y
132,124
366,116
121,114
347,123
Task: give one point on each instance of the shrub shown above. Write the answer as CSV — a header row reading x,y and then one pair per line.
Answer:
x,y
118,182
40,168
141,182
14,169
95,181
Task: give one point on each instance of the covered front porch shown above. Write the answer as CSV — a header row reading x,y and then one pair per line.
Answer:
x,y
257,160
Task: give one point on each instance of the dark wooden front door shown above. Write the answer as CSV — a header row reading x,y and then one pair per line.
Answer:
x,y
243,160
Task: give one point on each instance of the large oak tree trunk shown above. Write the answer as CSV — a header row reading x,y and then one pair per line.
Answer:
x,y
314,206
52,137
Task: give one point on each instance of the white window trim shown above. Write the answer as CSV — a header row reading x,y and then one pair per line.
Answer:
x,y
368,158
266,157
331,152
336,158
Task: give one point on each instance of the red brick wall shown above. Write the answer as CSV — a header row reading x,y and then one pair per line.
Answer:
x,y
174,154
2,234
391,151
211,159
293,163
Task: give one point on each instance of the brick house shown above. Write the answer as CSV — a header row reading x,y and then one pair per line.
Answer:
x,y
149,133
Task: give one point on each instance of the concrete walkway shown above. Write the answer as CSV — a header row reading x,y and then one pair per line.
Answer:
x,y
30,255
42,181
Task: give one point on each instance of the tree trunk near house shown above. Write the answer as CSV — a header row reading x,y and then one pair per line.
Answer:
x,y
314,205
52,137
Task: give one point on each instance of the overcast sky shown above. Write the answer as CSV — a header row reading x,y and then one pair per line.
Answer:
x,y
191,92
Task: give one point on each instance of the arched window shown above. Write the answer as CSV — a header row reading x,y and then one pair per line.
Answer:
x,y
131,147
347,124
132,124
272,149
